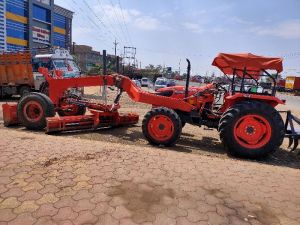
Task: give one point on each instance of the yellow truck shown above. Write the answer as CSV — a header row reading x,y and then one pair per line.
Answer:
x,y
16,74
19,71
292,83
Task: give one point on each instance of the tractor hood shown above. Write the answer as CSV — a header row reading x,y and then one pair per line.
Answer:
x,y
181,89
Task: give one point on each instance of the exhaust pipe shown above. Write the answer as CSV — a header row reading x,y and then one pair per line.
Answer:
x,y
187,79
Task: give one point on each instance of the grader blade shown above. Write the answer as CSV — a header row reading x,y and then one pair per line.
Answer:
x,y
291,132
296,143
291,141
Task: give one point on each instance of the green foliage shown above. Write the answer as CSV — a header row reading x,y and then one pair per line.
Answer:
x,y
151,71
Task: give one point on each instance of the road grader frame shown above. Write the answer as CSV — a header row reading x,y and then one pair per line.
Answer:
x,y
248,123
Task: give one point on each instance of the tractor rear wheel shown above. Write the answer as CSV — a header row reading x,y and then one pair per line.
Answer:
x,y
162,126
251,129
33,110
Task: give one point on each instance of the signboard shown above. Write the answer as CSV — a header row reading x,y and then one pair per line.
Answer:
x,y
41,35
47,2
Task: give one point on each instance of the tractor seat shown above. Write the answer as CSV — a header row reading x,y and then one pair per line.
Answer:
x,y
167,93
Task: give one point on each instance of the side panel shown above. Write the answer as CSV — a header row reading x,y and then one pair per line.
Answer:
x,y
239,97
2,26
16,69
16,25
297,83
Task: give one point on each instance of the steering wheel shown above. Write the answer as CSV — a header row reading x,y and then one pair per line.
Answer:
x,y
220,87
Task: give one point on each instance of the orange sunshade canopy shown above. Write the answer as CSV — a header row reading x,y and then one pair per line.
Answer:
x,y
252,64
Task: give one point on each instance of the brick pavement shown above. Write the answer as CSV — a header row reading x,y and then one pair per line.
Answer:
x,y
58,180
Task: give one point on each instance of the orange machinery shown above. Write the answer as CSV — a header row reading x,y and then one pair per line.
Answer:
x,y
246,119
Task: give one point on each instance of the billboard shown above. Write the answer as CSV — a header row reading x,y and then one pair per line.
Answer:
x,y
41,35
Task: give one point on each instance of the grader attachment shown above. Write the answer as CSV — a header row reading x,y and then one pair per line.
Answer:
x,y
291,131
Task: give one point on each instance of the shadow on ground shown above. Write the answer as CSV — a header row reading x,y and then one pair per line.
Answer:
x,y
9,99
188,143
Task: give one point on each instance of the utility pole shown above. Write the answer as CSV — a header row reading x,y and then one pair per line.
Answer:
x,y
179,67
115,44
73,48
129,57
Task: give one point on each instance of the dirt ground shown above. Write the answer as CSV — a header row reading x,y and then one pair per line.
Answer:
x,y
195,140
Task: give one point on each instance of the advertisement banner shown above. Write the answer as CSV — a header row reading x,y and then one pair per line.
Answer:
x,y
41,35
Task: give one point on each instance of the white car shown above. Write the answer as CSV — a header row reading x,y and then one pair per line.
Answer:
x,y
137,83
163,82
144,82
160,83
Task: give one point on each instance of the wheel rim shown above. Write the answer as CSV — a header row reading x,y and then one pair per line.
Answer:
x,y
252,131
161,128
33,111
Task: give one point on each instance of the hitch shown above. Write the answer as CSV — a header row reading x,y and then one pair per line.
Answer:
x,y
292,133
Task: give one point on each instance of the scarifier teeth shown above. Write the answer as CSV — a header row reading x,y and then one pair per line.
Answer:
x,y
296,140
291,141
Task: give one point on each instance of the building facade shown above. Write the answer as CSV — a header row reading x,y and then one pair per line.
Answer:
x,y
86,57
32,24
90,60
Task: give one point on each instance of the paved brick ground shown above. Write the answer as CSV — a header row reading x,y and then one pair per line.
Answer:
x,y
58,180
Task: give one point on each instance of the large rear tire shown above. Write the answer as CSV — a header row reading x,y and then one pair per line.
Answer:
x,y
251,129
33,110
162,126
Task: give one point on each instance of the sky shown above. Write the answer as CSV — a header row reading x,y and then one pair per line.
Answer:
x,y
166,32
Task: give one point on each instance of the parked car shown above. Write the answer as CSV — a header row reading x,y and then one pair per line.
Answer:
x,y
144,82
137,83
162,83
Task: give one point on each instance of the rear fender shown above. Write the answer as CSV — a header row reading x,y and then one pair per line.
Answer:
x,y
240,97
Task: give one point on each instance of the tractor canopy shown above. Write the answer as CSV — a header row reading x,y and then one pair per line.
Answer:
x,y
246,64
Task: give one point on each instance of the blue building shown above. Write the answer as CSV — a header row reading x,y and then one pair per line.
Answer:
x,y
30,24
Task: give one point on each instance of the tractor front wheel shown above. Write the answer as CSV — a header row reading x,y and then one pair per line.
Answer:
x,y
33,110
251,129
162,126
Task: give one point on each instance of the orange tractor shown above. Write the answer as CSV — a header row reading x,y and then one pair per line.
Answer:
x,y
243,112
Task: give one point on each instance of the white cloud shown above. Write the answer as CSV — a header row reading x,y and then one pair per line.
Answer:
x,y
217,30
286,30
166,14
193,27
238,20
114,15
147,23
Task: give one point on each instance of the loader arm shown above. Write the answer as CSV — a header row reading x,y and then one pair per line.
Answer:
x,y
58,86
138,95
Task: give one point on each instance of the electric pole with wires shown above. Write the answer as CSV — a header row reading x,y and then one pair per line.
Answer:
x,y
115,44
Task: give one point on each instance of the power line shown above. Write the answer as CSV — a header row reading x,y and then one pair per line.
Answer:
x,y
91,24
118,21
125,24
109,20
113,35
